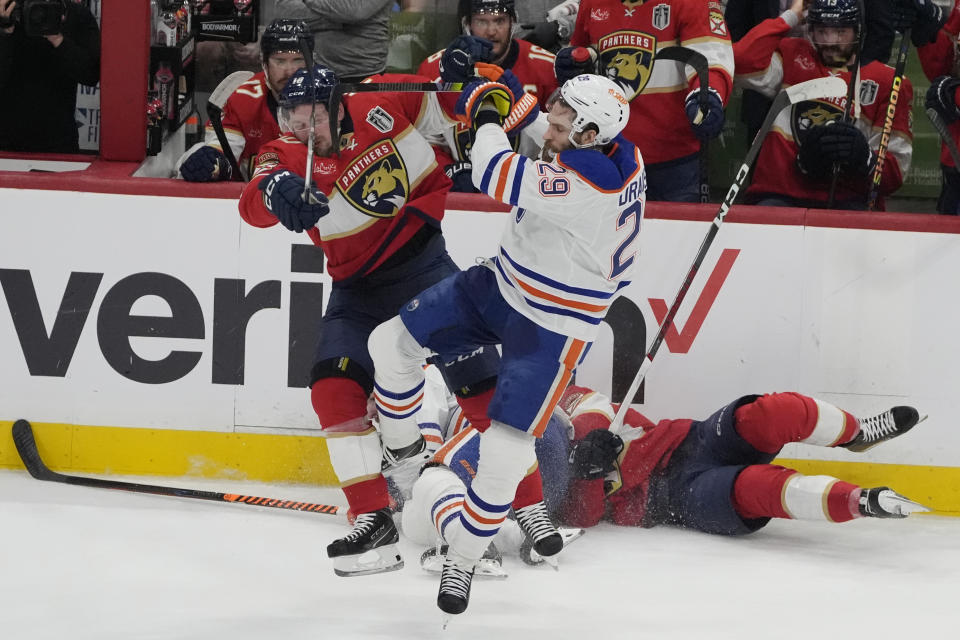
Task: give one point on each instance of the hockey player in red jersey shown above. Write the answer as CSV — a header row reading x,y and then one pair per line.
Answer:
x,y
487,27
374,206
795,165
715,475
711,475
250,113
665,120
941,64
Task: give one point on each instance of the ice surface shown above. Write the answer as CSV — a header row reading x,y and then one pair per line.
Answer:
x,y
90,563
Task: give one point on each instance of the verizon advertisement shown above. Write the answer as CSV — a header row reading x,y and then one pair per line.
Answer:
x,y
143,311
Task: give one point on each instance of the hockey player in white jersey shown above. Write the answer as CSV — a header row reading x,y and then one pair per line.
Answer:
x,y
564,256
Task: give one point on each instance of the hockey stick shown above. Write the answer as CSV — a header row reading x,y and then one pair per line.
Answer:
x,y
215,104
307,51
699,63
948,140
848,107
888,120
27,448
830,87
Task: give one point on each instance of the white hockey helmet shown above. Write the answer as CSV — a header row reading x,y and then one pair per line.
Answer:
x,y
599,103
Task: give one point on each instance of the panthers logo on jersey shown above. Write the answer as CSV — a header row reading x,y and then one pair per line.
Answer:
x,y
376,182
811,113
626,57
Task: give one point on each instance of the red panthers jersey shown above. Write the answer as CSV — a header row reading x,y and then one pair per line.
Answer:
x,y
622,495
627,36
532,65
249,119
383,185
767,61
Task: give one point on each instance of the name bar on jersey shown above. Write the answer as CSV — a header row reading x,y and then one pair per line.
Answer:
x,y
359,165
626,39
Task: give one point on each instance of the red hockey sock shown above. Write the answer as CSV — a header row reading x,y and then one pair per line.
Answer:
x,y
773,420
758,491
337,401
530,490
475,409
770,491
368,495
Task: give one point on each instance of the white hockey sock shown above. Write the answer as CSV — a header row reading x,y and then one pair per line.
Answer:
x,y
505,456
355,456
823,498
437,497
830,425
398,381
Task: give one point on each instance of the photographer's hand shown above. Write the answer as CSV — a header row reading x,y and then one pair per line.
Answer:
x,y
6,11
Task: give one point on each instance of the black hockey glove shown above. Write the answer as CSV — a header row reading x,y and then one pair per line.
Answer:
x,y
573,61
461,174
942,98
845,144
922,16
282,192
596,455
708,125
812,159
456,63
206,164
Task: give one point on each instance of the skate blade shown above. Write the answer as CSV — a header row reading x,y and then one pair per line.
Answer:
x,y
380,560
569,536
485,567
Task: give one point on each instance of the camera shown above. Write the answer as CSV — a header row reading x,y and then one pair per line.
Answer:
x,y
40,17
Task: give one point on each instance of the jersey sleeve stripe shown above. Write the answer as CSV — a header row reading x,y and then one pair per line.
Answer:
x,y
546,308
518,180
488,171
502,178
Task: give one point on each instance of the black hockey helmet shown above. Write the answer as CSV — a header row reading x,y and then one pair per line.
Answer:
x,y
834,13
467,8
284,34
300,90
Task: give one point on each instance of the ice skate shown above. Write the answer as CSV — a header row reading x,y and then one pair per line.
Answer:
x,y
489,566
370,547
455,581
542,535
402,466
883,502
883,427
529,555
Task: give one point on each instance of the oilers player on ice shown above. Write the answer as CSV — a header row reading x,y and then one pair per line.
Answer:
x,y
567,252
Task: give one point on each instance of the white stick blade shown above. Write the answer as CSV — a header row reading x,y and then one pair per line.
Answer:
x,y
832,87
227,86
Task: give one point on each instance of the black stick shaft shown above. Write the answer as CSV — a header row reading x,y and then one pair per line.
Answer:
x,y
26,445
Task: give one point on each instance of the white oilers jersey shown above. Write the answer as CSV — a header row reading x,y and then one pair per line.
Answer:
x,y
571,245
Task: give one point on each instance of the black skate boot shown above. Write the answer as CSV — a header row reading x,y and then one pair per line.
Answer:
x,y
884,502
542,535
455,581
883,427
402,466
371,532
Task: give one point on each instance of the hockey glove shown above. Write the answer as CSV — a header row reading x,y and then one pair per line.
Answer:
x,y
942,97
480,93
810,157
922,16
706,126
461,174
573,61
843,143
206,164
522,114
458,59
282,191
596,455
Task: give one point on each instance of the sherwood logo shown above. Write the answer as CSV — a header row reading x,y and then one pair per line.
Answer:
x,y
48,351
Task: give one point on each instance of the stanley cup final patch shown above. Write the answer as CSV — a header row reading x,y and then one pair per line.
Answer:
x,y
868,91
661,16
380,119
